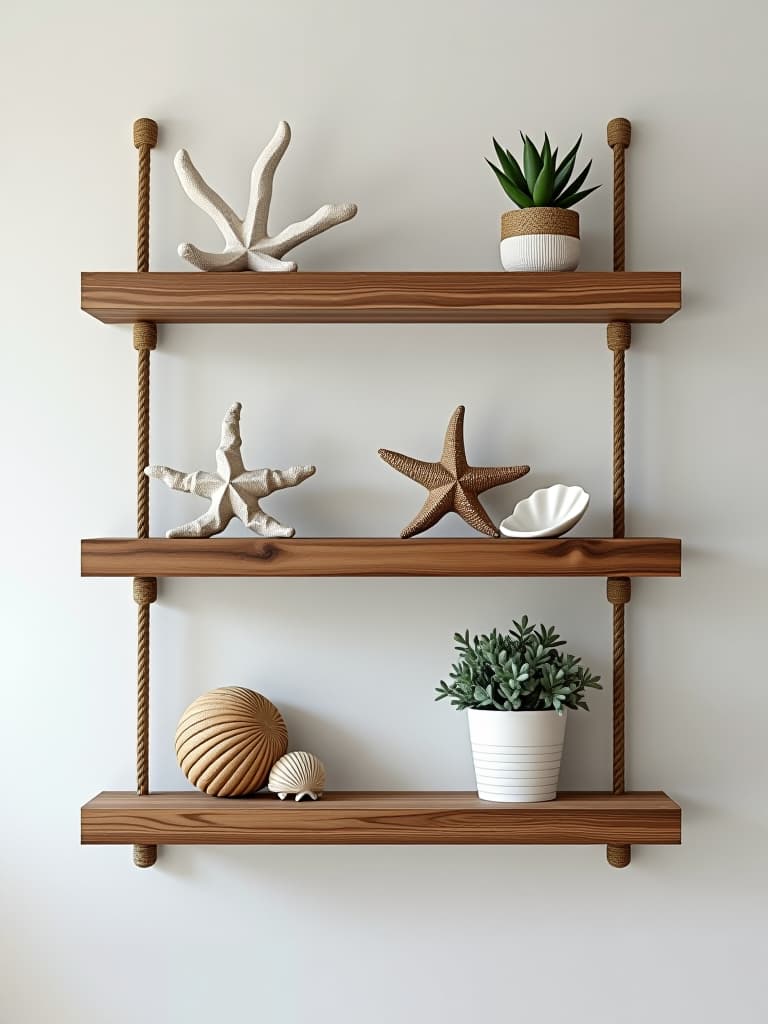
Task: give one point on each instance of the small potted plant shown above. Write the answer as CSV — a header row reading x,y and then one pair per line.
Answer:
x,y
516,688
544,233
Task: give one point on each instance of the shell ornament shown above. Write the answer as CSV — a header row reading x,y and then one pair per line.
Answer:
x,y
228,739
298,773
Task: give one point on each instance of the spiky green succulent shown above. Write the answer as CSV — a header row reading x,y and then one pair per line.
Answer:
x,y
541,181
521,670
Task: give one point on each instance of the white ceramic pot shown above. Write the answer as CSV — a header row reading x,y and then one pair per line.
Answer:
x,y
540,238
517,754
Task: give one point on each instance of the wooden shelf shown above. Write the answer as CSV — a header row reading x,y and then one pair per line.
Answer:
x,y
381,297
379,818
382,556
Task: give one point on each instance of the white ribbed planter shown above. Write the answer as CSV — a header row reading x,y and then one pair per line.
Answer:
x,y
540,252
516,753
540,238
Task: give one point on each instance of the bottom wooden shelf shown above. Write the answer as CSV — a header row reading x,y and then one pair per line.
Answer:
x,y
379,818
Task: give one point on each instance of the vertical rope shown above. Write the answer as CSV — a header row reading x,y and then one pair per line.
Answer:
x,y
618,589
619,336
619,136
144,139
144,587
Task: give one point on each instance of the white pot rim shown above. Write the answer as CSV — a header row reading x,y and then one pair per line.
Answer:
x,y
519,711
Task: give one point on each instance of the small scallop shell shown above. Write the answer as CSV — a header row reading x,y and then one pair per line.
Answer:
x,y
298,772
228,739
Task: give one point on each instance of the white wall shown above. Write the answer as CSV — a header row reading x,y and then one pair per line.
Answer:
x,y
392,105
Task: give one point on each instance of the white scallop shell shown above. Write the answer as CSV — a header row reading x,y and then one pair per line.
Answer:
x,y
549,512
298,772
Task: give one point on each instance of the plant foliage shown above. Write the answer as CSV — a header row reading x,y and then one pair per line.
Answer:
x,y
541,181
521,670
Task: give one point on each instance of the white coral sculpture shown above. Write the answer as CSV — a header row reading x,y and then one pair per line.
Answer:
x,y
233,490
247,245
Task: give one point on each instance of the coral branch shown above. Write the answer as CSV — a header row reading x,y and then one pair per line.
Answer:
x,y
247,245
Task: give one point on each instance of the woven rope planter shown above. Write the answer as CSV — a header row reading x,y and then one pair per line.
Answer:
x,y
540,238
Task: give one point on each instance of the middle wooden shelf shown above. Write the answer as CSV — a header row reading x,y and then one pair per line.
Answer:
x,y
382,556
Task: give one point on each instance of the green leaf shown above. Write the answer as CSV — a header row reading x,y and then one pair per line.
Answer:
x,y
565,204
564,171
511,167
577,182
542,191
531,163
510,188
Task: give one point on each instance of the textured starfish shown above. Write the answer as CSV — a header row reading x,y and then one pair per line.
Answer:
x,y
233,490
247,246
452,483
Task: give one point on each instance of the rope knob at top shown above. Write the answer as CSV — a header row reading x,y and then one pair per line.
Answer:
x,y
619,132
145,132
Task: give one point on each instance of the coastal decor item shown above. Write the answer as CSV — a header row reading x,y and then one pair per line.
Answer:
x,y
228,740
452,483
233,490
543,234
548,512
516,687
297,774
247,245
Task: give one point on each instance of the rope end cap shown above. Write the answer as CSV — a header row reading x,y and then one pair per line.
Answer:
x,y
145,132
619,856
619,132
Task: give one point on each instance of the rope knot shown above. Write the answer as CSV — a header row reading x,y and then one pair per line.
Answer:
x,y
144,589
144,132
618,589
619,856
144,335
619,132
144,856
619,335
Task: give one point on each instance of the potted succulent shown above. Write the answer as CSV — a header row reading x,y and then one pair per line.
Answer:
x,y
543,234
516,688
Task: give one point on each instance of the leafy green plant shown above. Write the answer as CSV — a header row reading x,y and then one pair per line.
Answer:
x,y
521,670
541,181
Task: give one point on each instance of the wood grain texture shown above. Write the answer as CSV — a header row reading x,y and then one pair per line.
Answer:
x,y
381,297
381,556
373,818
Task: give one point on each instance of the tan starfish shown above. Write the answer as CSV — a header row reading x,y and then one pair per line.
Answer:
x,y
452,483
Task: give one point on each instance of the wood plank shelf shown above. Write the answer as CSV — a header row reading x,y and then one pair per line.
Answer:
x,y
381,297
379,818
382,556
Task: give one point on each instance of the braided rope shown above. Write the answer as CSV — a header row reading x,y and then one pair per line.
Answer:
x,y
618,589
619,237
142,446
618,592
144,587
144,138
142,237
619,135
619,338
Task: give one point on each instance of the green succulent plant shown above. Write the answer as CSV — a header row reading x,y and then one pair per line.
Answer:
x,y
521,670
541,181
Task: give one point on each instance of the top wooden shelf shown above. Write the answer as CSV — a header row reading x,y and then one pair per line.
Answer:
x,y
381,297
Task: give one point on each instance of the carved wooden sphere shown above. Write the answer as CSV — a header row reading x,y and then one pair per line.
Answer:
x,y
228,739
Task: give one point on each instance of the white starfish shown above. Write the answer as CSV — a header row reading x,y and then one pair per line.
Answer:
x,y
233,490
247,246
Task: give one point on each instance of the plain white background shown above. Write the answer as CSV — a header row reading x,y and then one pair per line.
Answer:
x,y
392,106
